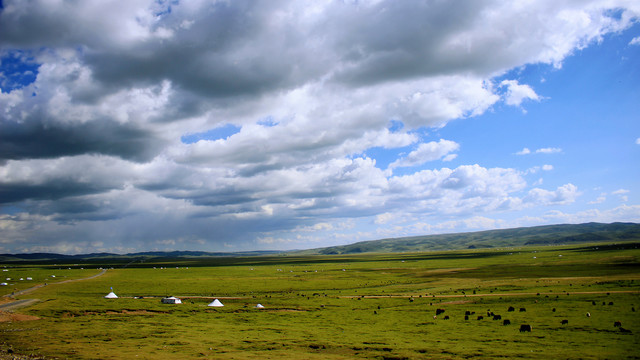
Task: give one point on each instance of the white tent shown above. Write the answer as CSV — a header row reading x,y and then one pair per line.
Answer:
x,y
216,303
259,306
111,295
171,300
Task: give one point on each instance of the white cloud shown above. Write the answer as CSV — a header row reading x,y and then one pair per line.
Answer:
x,y
563,195
635,41
384,218
600,199
517,93
428,152
549,150
535,169
638,141
620,192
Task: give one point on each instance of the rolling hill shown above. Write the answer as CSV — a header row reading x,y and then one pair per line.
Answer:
x,y
537,235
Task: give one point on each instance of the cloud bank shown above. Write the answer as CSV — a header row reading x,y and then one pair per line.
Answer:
x,y
95,113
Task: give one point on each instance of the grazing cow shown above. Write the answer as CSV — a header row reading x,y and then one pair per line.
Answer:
x,y
467,312
480,317
617,324
497,317
593,303
489,313
466,317
446,317
525,327
564,322
506,322
523,309
410,299
511,308
553,310
588,314
439,311
633,309
610,302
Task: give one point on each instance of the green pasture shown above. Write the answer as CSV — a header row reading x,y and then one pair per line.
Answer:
x,y
23,277
379,306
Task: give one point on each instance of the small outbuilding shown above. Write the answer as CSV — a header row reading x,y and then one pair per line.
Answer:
x,y
216,303
171,300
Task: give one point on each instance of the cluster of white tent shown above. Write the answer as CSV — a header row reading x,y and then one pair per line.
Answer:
x,y
175,300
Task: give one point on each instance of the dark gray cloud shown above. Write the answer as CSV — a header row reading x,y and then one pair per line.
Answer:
x,y
36,138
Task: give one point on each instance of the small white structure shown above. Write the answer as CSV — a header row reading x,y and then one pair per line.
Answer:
x,y
3,284
260,306
29,278
111,295
216,303
171,300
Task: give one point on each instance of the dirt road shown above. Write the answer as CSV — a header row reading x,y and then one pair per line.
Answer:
x,y
26,302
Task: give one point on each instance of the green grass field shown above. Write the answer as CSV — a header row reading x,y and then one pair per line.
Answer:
x,y
379,306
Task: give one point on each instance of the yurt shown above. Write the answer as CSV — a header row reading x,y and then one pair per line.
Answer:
x,y
111,295
171,300
216,303
260,306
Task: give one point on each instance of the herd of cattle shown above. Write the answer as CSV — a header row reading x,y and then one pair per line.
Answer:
x,y
523,327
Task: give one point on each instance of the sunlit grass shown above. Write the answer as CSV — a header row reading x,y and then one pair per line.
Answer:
x,y
345,307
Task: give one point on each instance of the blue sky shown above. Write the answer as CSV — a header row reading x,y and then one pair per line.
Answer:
x,y
254,125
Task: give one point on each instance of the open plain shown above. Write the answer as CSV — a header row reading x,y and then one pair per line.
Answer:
x,y
579,302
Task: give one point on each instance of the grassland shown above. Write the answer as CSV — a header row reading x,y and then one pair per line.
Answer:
x,y
343,307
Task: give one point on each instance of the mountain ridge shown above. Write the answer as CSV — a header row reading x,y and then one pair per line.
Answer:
x,y
522,236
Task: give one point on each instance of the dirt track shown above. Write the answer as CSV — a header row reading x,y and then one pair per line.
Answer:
x,y
26,302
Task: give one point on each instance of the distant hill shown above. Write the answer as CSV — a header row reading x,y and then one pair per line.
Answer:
x,y
101,257
537,235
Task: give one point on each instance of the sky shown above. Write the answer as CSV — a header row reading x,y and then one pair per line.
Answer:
x,y
255,125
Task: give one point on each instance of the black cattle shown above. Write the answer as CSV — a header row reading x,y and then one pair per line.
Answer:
x,y
633,309
446,317
523,309
439,311
525,328
564,322
593,303
553,310
466,317
610,302
480,317
506,322
497,317
467,312
511,308
617,324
